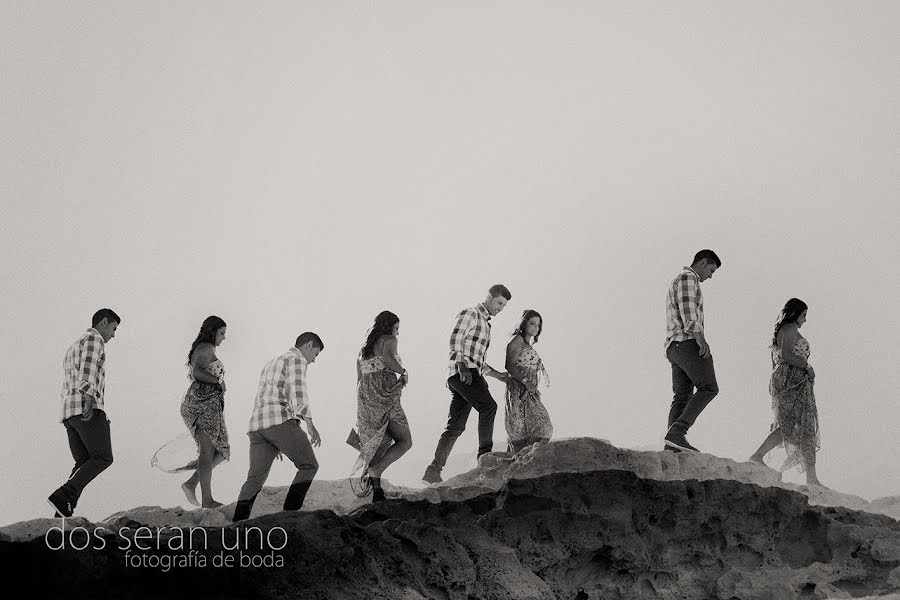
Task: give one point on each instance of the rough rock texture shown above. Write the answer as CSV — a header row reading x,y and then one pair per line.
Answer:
x,y
582,454
589,535
336,496
573,455
576,519
888,505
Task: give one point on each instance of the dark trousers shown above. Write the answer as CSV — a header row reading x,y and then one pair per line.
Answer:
x,y
689,371
466,397
91,447
265,444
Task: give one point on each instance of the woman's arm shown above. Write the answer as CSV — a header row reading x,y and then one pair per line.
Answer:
x,y
787,339
513,350
203,355
389,354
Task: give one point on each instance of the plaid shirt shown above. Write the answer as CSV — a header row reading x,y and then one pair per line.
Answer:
x,y
684,307
470,339
83,374
282,392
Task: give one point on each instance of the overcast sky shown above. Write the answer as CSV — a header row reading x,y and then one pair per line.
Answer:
x,y
295,167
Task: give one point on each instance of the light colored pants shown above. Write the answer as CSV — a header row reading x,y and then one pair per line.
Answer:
x,y
265,444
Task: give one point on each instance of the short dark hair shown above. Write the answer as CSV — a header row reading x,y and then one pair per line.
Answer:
x,y
709,255
309,336
105,313
498,289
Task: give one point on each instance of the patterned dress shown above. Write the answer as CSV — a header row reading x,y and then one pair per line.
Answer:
x,y
378,403
203,410
794,404
527,421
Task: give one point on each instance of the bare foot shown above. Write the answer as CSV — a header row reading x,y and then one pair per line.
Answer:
x,y
757,461
212,504
190,492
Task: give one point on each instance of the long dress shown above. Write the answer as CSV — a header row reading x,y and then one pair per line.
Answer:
x,y
794,403
527,420
377,404
202,409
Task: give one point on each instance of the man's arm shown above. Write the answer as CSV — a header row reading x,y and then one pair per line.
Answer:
x,y
687,291
465,321
91,360
298,397
492,372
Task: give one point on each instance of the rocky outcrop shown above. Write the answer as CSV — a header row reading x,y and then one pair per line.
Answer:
x,y
584,454
589,535
511,529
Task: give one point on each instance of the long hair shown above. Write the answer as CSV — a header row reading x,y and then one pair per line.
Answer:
x,y
384,325
527,314
792,310
207,334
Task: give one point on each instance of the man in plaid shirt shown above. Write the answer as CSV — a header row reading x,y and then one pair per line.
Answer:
x,y
83,411
282,402
468,346
687,350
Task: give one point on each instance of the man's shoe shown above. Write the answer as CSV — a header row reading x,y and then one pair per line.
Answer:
x,y
679,442
432,475
671,449
61,504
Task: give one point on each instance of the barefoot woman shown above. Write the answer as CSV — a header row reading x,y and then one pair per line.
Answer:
x,y
793,401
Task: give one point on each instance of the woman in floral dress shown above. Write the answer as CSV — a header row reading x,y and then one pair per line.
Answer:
x,y
796,424
527,420
382,434
203,412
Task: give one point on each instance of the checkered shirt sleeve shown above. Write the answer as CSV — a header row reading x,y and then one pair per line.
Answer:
x,y
470,340
83,374
684,308
282,393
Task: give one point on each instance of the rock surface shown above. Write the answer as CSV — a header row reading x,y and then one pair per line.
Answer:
x,y
543,525
582,454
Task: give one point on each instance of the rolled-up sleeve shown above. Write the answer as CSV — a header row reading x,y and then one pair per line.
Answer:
x,y
464,322
91,359
295,389
688,296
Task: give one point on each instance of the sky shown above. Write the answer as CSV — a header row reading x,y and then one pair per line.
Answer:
x,y
304,166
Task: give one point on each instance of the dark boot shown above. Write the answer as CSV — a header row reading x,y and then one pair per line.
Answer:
x,y
296,494
243,509
377,492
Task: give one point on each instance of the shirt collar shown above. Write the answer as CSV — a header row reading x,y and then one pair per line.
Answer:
x,y
691,269
484,311
95,332
299,354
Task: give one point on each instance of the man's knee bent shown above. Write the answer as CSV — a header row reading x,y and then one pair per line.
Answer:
x,y
488,407
307,466
710,389
453,432
403,445
103,460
